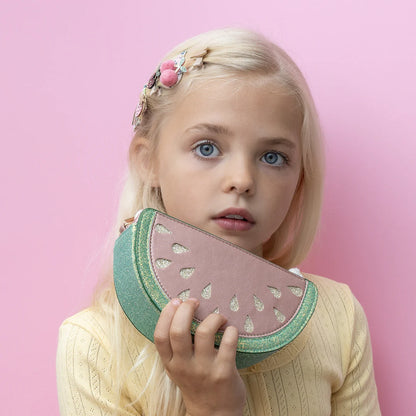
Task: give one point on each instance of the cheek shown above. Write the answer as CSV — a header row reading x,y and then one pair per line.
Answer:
x,y
282,187
179,192
282,198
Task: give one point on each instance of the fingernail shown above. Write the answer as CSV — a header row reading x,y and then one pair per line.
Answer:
x,y
176,301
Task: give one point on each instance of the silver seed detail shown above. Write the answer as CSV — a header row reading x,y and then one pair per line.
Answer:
x,y
179,249
186,273
162,229
163,263
234,304
297,291
275,292
206,291
248,325
258,303
184,295
216,310
280,317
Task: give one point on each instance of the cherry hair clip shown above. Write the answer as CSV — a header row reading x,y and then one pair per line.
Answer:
x,y
168,74
158,258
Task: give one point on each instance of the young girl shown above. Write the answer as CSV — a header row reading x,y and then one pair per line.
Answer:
x,y
226,138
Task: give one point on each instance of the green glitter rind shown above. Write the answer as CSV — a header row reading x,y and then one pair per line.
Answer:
x,y
132,295
142,298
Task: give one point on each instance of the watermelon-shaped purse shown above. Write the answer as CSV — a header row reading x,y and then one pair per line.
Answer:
x,y
158,258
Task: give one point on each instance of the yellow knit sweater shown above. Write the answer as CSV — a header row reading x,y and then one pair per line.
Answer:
x,y
326,370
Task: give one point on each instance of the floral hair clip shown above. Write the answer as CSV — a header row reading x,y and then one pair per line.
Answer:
x,y
167,75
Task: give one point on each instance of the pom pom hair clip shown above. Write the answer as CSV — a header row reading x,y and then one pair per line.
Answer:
x,y
168,75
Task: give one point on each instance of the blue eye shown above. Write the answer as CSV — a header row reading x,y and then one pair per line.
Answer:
x,y
274,158
206,150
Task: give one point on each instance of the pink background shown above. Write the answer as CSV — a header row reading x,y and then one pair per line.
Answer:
x,y
71,73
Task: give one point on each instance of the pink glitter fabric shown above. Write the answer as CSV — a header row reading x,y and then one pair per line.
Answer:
x,y
167,65
168,77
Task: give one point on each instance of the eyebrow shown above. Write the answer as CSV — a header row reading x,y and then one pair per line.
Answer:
x,y
222,130
279,140
212,128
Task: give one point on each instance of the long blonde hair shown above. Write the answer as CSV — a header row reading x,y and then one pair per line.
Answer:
x,y
233,53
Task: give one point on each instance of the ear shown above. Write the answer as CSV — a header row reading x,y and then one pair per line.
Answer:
x,y
141,157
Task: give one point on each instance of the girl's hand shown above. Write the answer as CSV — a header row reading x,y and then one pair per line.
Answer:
x,y
208,377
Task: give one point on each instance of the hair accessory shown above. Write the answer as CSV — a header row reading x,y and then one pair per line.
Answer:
x,y
158,258
167,75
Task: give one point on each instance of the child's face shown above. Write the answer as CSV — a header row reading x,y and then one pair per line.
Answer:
x,y
228,160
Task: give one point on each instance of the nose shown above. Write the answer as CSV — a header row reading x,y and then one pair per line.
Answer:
x,y
239,177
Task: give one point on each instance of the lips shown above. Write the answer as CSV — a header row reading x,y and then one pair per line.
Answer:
x,y
234,219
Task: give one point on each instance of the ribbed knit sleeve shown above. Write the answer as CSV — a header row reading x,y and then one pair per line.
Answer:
x,y
83,370
357,395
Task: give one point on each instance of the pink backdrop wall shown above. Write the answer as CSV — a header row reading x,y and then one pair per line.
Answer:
x,y
71,73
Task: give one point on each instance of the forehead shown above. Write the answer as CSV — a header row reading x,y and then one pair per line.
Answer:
x,y
242,104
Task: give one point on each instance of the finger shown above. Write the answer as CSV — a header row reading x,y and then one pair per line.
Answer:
x,y
162,329
228,347
180,329
205,335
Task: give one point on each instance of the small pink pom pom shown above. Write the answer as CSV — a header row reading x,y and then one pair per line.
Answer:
x,y
167,65
168,77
